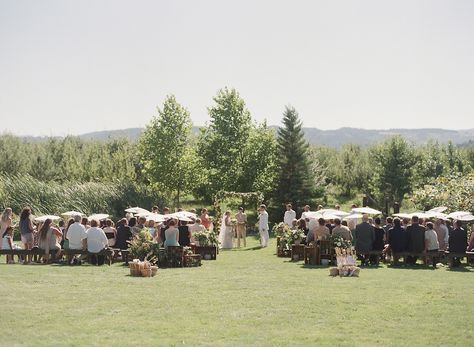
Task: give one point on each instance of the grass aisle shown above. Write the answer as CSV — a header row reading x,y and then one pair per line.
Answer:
x,y
246,297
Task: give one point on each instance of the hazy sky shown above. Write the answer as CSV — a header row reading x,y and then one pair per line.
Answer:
x,y
78,66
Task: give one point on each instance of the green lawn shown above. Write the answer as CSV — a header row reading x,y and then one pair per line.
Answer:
x,y
246,297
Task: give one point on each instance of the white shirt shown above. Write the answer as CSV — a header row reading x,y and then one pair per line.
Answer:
x,y
431,239
313,223
96,240
75,234
263,220
303,215
288,218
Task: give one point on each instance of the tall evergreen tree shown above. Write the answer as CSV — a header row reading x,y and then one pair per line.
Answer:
x,y
295,183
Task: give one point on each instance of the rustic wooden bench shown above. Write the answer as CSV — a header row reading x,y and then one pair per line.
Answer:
x,y
450,256
64,252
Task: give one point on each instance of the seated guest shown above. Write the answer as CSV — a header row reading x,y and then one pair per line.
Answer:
x,y
110,232
341,230
303,226
48,239
77,238
379,237
139,227
124,234
85,222
184,238
171,234
294,224
470,247
442,233
321,232
431,243
397,239
364,234
96,242
457,242
7,243
416,239
196,227
150,225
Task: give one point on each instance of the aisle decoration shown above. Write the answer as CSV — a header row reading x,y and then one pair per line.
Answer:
x,y
142,268
346,264
206,244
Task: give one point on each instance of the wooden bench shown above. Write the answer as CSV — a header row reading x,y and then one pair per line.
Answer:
x,y
450,256
425,256
35,252
297,252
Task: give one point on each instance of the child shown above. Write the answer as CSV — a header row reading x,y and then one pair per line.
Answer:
x,y
7,243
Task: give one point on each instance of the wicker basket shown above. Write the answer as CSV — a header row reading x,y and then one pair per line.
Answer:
x,y
135,269
146,272
154,270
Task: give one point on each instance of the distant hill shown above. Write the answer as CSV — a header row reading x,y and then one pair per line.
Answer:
x,y
332,138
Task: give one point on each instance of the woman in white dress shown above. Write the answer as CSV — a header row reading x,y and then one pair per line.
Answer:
x,y
226,233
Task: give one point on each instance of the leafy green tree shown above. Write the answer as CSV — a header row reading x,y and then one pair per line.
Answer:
x,y
393,170
222,144
295,181
351,170
164,151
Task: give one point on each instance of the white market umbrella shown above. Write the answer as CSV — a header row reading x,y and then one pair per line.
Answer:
x,y
354,216
42,219
466,218
458,214
136,210
366,210
72,213
155,217
439,209
180,216
98,216
143,214
402,215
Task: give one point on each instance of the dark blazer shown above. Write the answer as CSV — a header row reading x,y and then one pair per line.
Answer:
x,y
124,234
184,235
364,237
397,239
416,238
378,244
458,240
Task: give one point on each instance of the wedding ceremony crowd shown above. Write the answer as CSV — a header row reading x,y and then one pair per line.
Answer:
x,y
403,233
431,233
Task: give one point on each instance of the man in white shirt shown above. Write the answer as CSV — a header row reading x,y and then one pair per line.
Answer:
x,y
96,242
305,211
263,225
290,215
76,234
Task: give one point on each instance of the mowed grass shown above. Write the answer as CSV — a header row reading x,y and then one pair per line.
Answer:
x,y
246,297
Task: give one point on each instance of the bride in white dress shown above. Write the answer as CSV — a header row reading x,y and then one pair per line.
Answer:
x,y
226,233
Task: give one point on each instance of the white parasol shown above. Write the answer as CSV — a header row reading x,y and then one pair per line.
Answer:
x,y
354,216
366,210
136,210
182,216
466,218
98,216
155,217
458,214
438,209
48,216
72,213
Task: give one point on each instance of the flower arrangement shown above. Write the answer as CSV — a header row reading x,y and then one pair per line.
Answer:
x,y
295,236
287,235
338,241
142,246
280,229
206,238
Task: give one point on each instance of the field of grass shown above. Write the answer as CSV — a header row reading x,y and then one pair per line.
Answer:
x,y
246,297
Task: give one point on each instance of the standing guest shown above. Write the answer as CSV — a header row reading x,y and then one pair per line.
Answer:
x,y
241,218
48,239
397,239
110,232
171,234
205,220
26,230
96,242
306,210
431,243
124,234
184,238
263,225
320,207
155,209
416,239
442,233
364,238
321,232
457,242
341,230
166,210
290,214
6,220
7,243
337,207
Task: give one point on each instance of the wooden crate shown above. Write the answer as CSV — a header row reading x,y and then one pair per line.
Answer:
x,y
297,252
207,252
192,260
